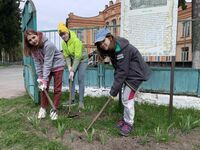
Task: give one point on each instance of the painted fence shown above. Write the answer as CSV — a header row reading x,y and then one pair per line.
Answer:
x,y
186,80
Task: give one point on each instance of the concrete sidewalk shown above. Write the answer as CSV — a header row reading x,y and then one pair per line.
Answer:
x,y
11,81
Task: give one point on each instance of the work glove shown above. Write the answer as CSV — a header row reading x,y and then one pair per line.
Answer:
x,y
71,75
115,97
112,97
42,84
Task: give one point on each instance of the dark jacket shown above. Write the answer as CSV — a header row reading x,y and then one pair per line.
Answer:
x,y
129,66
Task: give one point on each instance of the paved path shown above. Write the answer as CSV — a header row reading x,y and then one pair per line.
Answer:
x,y
11,81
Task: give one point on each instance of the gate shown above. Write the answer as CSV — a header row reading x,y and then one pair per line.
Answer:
x,y
29,73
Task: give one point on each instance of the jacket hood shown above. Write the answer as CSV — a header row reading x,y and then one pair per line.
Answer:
x,y
122,42
72,36
44,38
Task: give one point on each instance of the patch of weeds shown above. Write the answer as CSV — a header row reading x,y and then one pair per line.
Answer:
x,y
44,130
90,108
111,109
143,136
72,137
61,129
144,139
195,147
89,136
103,138
158,134
23,114
188,123
52,146
162,135
34,121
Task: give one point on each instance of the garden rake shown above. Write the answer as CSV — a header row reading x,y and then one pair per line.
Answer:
x,y
49,99
102,109
47,95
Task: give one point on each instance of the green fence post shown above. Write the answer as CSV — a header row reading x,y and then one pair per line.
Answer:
x,y
100,75
198,90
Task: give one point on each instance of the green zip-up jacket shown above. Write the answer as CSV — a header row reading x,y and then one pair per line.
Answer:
x,y
73,51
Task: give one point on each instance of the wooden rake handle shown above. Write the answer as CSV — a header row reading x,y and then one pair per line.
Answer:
x,y
97,116
49,99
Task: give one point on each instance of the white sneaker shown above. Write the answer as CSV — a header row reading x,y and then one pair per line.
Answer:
x,y
53,114
42,113
81,105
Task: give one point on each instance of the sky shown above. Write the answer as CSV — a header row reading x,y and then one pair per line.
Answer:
x,y
51,12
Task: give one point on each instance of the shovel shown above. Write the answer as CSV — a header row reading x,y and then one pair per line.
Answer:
x,y
69,114
97,116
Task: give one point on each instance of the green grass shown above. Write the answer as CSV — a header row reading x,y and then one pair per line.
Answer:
x,y
19,129
17,132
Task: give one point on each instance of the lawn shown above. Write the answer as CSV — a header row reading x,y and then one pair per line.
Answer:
x,y
20,128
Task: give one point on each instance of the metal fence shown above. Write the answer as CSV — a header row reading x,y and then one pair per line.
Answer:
x,y
186,79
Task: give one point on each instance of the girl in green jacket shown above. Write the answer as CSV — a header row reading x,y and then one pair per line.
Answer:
x,y
76,59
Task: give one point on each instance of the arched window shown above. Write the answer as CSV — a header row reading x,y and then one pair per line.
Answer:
x,y
107,23
114,23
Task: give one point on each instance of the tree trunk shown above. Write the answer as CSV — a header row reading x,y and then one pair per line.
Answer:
x,y
196,34
2,55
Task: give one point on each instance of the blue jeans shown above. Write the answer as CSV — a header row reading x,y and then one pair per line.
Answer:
x,y
81,81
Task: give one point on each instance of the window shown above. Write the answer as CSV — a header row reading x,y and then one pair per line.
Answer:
x,y
186,29
184,53
114,23
107,23
146,58
80,34
157,58
168,58
94,32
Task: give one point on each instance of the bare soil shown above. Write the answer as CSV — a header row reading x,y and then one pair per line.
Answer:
x,y
78,141
183,142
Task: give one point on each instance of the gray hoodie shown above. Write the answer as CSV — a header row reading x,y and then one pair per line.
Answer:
x,y
49,59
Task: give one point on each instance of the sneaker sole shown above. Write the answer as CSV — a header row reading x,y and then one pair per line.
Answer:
x,y
54,119
123,134
118,127
41,117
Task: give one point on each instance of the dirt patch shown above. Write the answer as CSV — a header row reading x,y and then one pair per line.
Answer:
x,y
183,142
76,141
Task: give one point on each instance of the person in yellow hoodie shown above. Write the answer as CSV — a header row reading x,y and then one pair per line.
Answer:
x,y
76,58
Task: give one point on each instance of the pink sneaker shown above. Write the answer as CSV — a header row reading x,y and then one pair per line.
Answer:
x,y
125,129
120,123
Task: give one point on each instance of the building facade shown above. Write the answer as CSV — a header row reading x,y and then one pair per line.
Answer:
x,y
110,16
184,35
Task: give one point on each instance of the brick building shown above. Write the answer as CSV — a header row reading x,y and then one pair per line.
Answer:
x,y
184,35
111,16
